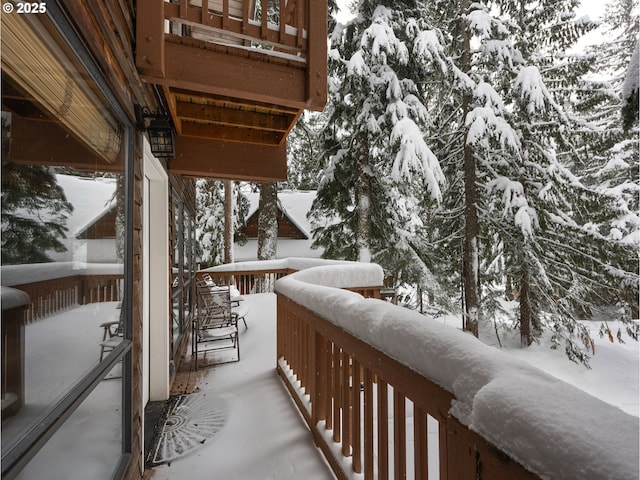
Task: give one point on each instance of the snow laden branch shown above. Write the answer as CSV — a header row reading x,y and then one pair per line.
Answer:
x,y
514,200
534,95
415,156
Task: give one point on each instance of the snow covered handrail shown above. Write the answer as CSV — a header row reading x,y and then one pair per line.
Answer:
x,y
261,276
489,412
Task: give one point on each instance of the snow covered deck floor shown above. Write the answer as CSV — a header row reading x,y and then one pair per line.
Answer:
x,y
264,436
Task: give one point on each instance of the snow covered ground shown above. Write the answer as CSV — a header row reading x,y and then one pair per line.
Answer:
x,y
265,437
614,370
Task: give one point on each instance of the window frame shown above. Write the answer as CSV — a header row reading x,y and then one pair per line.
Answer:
x,y
14,460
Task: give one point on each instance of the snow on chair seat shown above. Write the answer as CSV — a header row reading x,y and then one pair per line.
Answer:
x,y
240,312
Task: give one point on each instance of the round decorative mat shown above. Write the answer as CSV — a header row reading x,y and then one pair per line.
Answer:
x,y
190,420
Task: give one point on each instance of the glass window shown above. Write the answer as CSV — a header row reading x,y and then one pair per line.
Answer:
x,y
95,452
177,283
64,251
183,283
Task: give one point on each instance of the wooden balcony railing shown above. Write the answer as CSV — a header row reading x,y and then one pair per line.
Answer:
x,y
14,305
59,292
261,276
279,25
377,415
249,281
184,44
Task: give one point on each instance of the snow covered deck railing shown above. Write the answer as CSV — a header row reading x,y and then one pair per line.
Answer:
x,y
261,276
430,400
53,287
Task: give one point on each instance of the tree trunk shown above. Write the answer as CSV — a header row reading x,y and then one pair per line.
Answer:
x,y
471,260
228,221
363,209
525,311
268,221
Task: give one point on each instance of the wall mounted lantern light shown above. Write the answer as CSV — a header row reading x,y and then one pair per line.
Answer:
x,y
160,132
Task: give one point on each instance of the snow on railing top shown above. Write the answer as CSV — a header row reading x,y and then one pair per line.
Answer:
x,y
549,426
13,298
11,275
374,278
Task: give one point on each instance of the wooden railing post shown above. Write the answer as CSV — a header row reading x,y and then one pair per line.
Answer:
x,y
13,355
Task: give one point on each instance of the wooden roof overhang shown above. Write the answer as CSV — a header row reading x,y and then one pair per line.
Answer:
x,y
234,83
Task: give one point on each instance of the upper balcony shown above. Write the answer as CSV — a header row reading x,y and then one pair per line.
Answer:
x,y
236,75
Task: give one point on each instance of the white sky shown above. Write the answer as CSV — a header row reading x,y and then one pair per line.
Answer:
x,y
593,8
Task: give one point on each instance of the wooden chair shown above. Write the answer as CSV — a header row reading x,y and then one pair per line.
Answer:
x,y
215,328
238,310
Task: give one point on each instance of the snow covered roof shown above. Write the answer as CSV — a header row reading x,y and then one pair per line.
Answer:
x,y
91,198
295,204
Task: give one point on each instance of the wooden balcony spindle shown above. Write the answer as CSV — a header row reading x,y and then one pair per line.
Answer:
x,y
264,5
309,362
321,388
383,430
247,14
204,12
346,404
225,14
328,358
420,443
399,435
283,19
368,425
301,24
356,427
442,449
337,392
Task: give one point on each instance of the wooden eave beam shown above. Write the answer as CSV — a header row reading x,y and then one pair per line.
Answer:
x,y
317,73
234,117
202,158
230,133
223,101
150,42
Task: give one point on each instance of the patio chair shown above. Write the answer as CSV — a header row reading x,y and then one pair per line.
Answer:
x,y
238,310
112,334
215,328
236,297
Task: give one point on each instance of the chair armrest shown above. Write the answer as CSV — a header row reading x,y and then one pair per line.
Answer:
x,y
110,329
